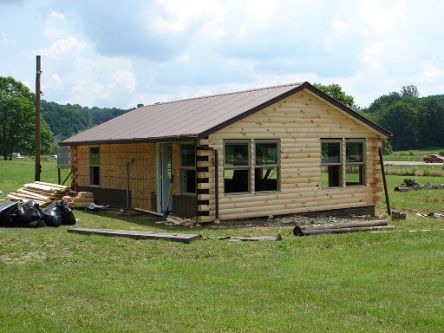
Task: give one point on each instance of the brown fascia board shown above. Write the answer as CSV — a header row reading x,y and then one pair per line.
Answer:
x,y
316,91
138,140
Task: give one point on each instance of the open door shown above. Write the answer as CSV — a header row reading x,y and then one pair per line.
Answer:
x,y
164,177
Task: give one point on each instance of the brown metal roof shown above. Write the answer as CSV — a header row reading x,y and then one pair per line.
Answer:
x,y
194,117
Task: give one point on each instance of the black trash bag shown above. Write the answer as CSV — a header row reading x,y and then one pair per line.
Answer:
x,y
7,209
39,223
68,217
52,215
27,213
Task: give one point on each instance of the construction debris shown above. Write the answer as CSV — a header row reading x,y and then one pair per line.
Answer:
x,y
40,192
82,200
184,222
436,215
338,228
398,215
411,184
174,237
253,238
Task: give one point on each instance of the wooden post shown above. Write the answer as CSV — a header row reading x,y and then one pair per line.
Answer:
x,y
384,181
38,167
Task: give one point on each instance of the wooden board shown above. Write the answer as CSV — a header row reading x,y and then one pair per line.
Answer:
x,y
173,237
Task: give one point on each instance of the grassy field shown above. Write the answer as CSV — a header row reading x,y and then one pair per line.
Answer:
x,y
412,155
364,282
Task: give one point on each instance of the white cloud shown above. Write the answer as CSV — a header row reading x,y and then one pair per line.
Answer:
x,y
62,47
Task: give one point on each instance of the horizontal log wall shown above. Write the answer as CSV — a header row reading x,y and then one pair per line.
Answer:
x,y
299,122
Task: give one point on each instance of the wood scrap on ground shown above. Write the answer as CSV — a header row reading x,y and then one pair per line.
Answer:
x,y
252,238
338,228
436,215
173,237
411,184
184,222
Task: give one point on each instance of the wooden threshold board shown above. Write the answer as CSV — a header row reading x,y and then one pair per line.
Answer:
x,y
173,237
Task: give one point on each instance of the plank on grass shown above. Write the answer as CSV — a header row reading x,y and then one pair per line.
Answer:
x,y
173,237
301,232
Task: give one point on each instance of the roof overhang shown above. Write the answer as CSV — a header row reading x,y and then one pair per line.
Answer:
x,y
136,140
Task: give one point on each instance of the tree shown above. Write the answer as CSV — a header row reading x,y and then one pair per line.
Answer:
x,y
335,91
410,91
431,121
17,114
401,119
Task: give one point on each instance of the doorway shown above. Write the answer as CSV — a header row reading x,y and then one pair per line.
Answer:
x,y
164,177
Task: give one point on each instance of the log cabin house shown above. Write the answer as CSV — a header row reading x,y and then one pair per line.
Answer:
x,y
277,150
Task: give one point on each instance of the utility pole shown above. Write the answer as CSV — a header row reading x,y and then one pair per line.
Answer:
x,y
38,166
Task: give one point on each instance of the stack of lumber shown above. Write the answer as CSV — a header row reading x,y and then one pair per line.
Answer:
x,y
81,200
339,228
41,192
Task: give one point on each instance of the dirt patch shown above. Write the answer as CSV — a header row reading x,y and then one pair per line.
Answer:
x,y
27,257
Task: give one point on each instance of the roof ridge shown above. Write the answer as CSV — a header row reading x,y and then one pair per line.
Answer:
x,y
224,94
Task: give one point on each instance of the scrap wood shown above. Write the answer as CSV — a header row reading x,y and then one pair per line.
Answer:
x,y
252,238
148,212
436,215
314,229
174,237
185,222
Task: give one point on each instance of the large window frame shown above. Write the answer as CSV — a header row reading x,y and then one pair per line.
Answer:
x,y
345,163
362,165
185,168
233,168
332,165
94,166
262,166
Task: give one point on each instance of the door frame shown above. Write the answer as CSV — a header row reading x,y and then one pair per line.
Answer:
x,y
159,169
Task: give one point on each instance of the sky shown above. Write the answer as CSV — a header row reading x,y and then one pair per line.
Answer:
x,y
121,53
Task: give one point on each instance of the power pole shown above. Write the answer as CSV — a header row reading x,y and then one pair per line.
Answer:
x,y
38,166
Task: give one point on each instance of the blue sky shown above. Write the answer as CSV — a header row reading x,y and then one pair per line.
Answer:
x,y
120,53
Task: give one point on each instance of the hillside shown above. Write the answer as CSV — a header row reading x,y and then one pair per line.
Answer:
x,y
69,119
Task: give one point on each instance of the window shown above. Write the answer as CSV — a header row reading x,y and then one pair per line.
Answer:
x,y
94,166
266,171
237,167
331,163
355,162
188,168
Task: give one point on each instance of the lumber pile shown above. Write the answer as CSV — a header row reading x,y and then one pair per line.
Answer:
x,y
41,192
339,228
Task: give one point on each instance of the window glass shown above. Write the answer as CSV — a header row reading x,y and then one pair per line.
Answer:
x,y
94,156
188,155
236,181
354,151
331,176
266,154
331,152
188,181
354,174
236,154
94,175
266,179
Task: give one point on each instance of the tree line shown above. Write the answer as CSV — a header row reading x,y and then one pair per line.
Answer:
x,y
415,122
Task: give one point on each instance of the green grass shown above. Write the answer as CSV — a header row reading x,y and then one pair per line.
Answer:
x,y
364,282
412,155
415,170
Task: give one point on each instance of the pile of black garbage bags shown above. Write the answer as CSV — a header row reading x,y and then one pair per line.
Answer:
x,y
30,215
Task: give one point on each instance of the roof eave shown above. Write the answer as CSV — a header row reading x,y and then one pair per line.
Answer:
x,y
136,140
